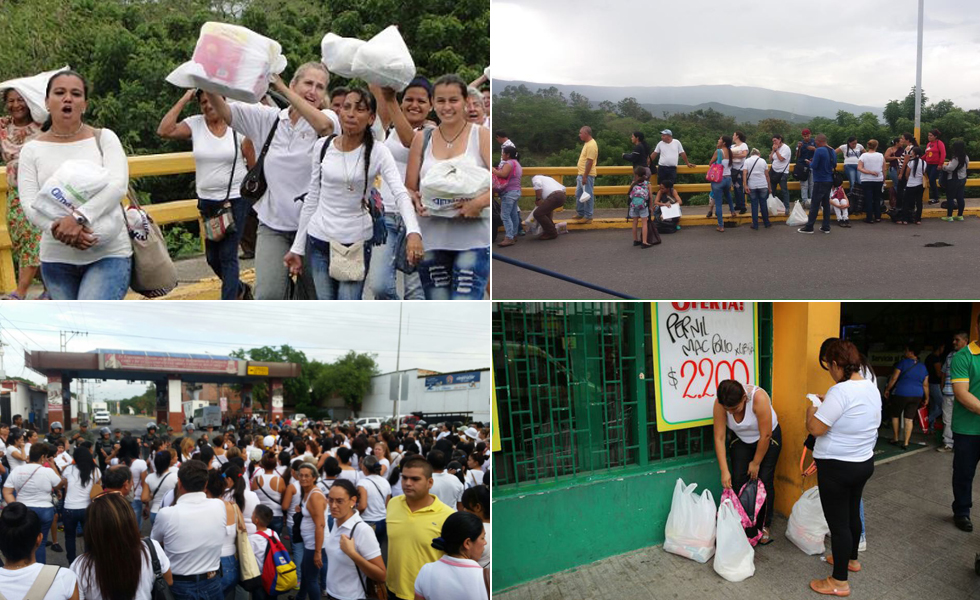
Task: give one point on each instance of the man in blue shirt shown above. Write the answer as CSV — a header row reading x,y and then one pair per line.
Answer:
x,y
822,169
804,153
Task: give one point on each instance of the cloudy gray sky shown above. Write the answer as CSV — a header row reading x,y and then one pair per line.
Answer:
x,y
856,51
435,335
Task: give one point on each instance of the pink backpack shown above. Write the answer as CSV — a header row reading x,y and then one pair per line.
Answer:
x,y
748,503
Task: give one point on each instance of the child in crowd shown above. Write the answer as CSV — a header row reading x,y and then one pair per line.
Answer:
x,y
261,518
640,204
667,189
839,201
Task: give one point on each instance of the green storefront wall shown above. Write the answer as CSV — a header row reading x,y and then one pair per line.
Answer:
x,y
555,529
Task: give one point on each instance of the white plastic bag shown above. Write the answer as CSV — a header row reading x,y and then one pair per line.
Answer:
x,y
338,53
734,556
797,216
775,206
807,525
451,181
232,61
70,187
32,89
385,60
585,197
690,530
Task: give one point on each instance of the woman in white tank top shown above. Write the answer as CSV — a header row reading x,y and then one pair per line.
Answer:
x,y
270,487
747,411
456,265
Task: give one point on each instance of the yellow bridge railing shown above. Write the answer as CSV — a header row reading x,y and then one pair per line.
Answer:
x,y
178,211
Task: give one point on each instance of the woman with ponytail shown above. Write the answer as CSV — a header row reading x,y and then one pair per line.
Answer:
x,y
217,488
846,428
335,223
79,476
453,577
86,255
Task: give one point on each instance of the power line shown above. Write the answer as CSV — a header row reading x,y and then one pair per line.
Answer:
x,y
40,347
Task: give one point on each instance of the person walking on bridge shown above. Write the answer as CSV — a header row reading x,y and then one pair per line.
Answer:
x,y
585,180
668,150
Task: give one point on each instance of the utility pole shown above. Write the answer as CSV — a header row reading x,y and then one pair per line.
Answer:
x,y
3,373
398,364
918,76
66,336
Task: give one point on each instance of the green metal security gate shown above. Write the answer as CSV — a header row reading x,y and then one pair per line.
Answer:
x,y
573,382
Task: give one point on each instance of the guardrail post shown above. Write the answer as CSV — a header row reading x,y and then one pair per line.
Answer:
x,y
559,178
8,278
204,247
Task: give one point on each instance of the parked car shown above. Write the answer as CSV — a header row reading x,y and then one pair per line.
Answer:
x,y
369,422
102,417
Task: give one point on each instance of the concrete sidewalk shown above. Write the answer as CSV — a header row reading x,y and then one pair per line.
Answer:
x,y
914,552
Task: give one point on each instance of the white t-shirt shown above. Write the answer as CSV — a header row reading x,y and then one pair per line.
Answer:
x,y
137,468
63,460
342,577
669,153
16,462
852,410
851,155
165,482
260,544
34,491
780,159
916,169
213,158
448,488
757,180
738,162
485,558
89,590
451,579
352,476
77,495
872,161
547,185
15,583
378,489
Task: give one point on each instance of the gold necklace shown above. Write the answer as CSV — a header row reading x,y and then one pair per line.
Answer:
x,y
449,143
69,135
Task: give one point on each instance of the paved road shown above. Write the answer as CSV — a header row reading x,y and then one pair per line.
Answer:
x,y
867,261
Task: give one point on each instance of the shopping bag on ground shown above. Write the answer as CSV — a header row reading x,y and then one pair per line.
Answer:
x,y
797,216
807,525
338,53
232,61
385,61
32,89
775,206
734,556
690,530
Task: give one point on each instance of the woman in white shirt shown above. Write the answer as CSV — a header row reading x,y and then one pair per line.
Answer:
x,y
453,577
912,171
20,536
871,165
755,179
79,478
31,485
155,487
846,429
373,492
721,191
746,410
217,487
17,449
456,265
85,255
353,551
129,455
476,500
335,224
270,487
219,164
347,470
117,563
852,152
401,122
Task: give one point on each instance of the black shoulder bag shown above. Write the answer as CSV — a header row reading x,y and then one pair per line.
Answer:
x,y
160,591
254,185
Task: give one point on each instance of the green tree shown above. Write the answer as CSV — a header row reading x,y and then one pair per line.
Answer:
x,y
145,403
349,377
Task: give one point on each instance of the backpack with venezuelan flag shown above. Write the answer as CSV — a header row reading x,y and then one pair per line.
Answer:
x,y
278,570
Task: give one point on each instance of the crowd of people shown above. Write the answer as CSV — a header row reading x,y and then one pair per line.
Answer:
x,y
749,173
843,425
322,155
321,510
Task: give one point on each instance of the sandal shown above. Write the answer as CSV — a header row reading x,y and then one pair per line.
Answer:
x,y
12,296
766,538
823,586
721,229
830,561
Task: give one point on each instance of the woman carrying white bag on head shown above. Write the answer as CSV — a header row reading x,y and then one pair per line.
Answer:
x,y
734,557
690,530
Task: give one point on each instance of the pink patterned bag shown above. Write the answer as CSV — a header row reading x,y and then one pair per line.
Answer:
x,y
752,497
715,173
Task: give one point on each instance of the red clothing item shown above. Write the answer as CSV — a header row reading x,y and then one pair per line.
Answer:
x,y
935,153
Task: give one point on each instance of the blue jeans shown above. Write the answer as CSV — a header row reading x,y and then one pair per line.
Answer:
x,y
380,529
739,190
74,517
297,551
933,172
276,525
760,197
207,589
935,402
327,288
584,209
382,278
853,176
138,509
105,279
509,212
222,256
781,180
309,586
47,516
723,187
229,573
806,187
455,274
153,519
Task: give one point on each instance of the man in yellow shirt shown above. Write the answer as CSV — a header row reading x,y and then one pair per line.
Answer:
x,y
586,176
413,521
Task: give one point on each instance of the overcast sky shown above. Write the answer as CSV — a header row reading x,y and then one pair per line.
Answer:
x,y
435,335
856,51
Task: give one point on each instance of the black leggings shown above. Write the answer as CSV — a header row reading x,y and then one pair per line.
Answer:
x,y
742,454
841,485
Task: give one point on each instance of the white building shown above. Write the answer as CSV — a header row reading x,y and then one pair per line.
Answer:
x,y
427,392
19,398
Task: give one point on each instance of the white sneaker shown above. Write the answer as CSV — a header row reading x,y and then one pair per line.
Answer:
x,y
863,544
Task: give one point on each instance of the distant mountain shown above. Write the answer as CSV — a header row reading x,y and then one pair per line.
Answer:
x,y
742,115
730,96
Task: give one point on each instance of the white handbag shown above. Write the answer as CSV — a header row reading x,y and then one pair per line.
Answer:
x,y
347,262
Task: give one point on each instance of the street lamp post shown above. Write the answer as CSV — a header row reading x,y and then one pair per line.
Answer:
x,y
918,77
